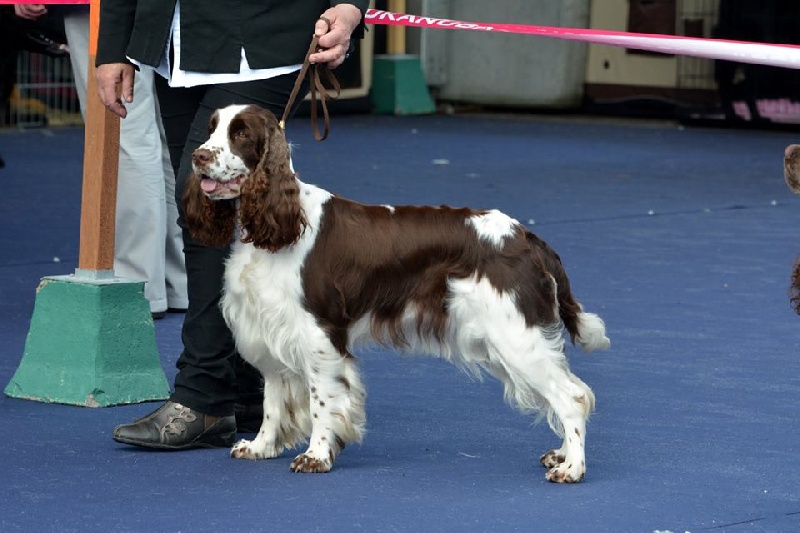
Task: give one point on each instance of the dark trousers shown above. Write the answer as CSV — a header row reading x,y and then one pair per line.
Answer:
x,y
211,376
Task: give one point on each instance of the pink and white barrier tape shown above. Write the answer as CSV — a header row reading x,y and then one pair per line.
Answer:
x,y
777,55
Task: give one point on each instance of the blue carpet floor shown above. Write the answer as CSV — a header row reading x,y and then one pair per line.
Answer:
x,y
682,239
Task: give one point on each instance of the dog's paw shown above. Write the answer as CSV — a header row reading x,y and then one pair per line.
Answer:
x,y
246,449
307,464
552,458
566,473
242,450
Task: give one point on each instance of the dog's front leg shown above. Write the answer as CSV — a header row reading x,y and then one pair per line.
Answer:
x,y
285,421
337,411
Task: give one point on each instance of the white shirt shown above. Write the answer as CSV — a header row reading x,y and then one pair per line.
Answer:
x,y
178,77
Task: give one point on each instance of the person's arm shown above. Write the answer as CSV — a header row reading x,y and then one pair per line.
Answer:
x,y
116,26
335,27
114,72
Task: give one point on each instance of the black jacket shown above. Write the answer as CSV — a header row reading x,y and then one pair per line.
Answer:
x,y
274,33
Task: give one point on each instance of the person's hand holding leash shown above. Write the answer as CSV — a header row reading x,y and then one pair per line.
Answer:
x,y
334,29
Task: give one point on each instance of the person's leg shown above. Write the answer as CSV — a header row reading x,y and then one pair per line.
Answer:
x,y
76,27
142,205
174,261
209,361
141,221
212,379
180,423
206,378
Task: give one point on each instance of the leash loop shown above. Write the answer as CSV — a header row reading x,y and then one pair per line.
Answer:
x,y
317,91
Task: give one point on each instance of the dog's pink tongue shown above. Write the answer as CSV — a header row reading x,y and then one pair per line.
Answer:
x,y
208,185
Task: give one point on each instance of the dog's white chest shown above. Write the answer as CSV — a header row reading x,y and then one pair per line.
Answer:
x,y
263,306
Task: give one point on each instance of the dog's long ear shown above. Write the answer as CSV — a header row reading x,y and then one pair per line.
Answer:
x,y
270,211
211,223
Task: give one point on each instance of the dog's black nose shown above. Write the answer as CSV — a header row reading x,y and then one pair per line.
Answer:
x,y
202,156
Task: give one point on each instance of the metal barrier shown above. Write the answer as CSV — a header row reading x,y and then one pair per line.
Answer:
x,y
44,94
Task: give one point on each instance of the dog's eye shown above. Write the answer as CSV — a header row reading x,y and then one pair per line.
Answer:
x,y
241,134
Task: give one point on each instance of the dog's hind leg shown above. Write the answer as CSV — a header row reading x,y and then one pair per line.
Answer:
x,y
537,379
580,402
286,422
337,411
570,402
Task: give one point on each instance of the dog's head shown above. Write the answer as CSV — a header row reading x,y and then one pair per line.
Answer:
x,y
245,158
241,140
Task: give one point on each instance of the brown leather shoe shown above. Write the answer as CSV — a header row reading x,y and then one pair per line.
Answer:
x,y
176,427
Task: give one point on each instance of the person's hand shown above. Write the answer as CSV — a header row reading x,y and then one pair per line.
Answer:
x,y
334,28
30,11
115,86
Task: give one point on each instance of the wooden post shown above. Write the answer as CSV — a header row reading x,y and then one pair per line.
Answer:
x,y
100,167
396,35
92,340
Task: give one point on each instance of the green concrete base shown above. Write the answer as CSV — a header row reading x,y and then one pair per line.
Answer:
x,y
399,87
91,343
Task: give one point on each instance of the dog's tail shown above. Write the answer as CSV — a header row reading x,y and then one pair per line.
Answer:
x,y
586,330
591,333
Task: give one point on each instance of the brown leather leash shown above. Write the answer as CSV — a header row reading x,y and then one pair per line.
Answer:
x,y
318,90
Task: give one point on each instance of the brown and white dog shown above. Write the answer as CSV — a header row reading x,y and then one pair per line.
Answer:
x,y
312,275
791,173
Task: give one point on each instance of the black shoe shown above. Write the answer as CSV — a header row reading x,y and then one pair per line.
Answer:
x,y
176,427
248,417
158,315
